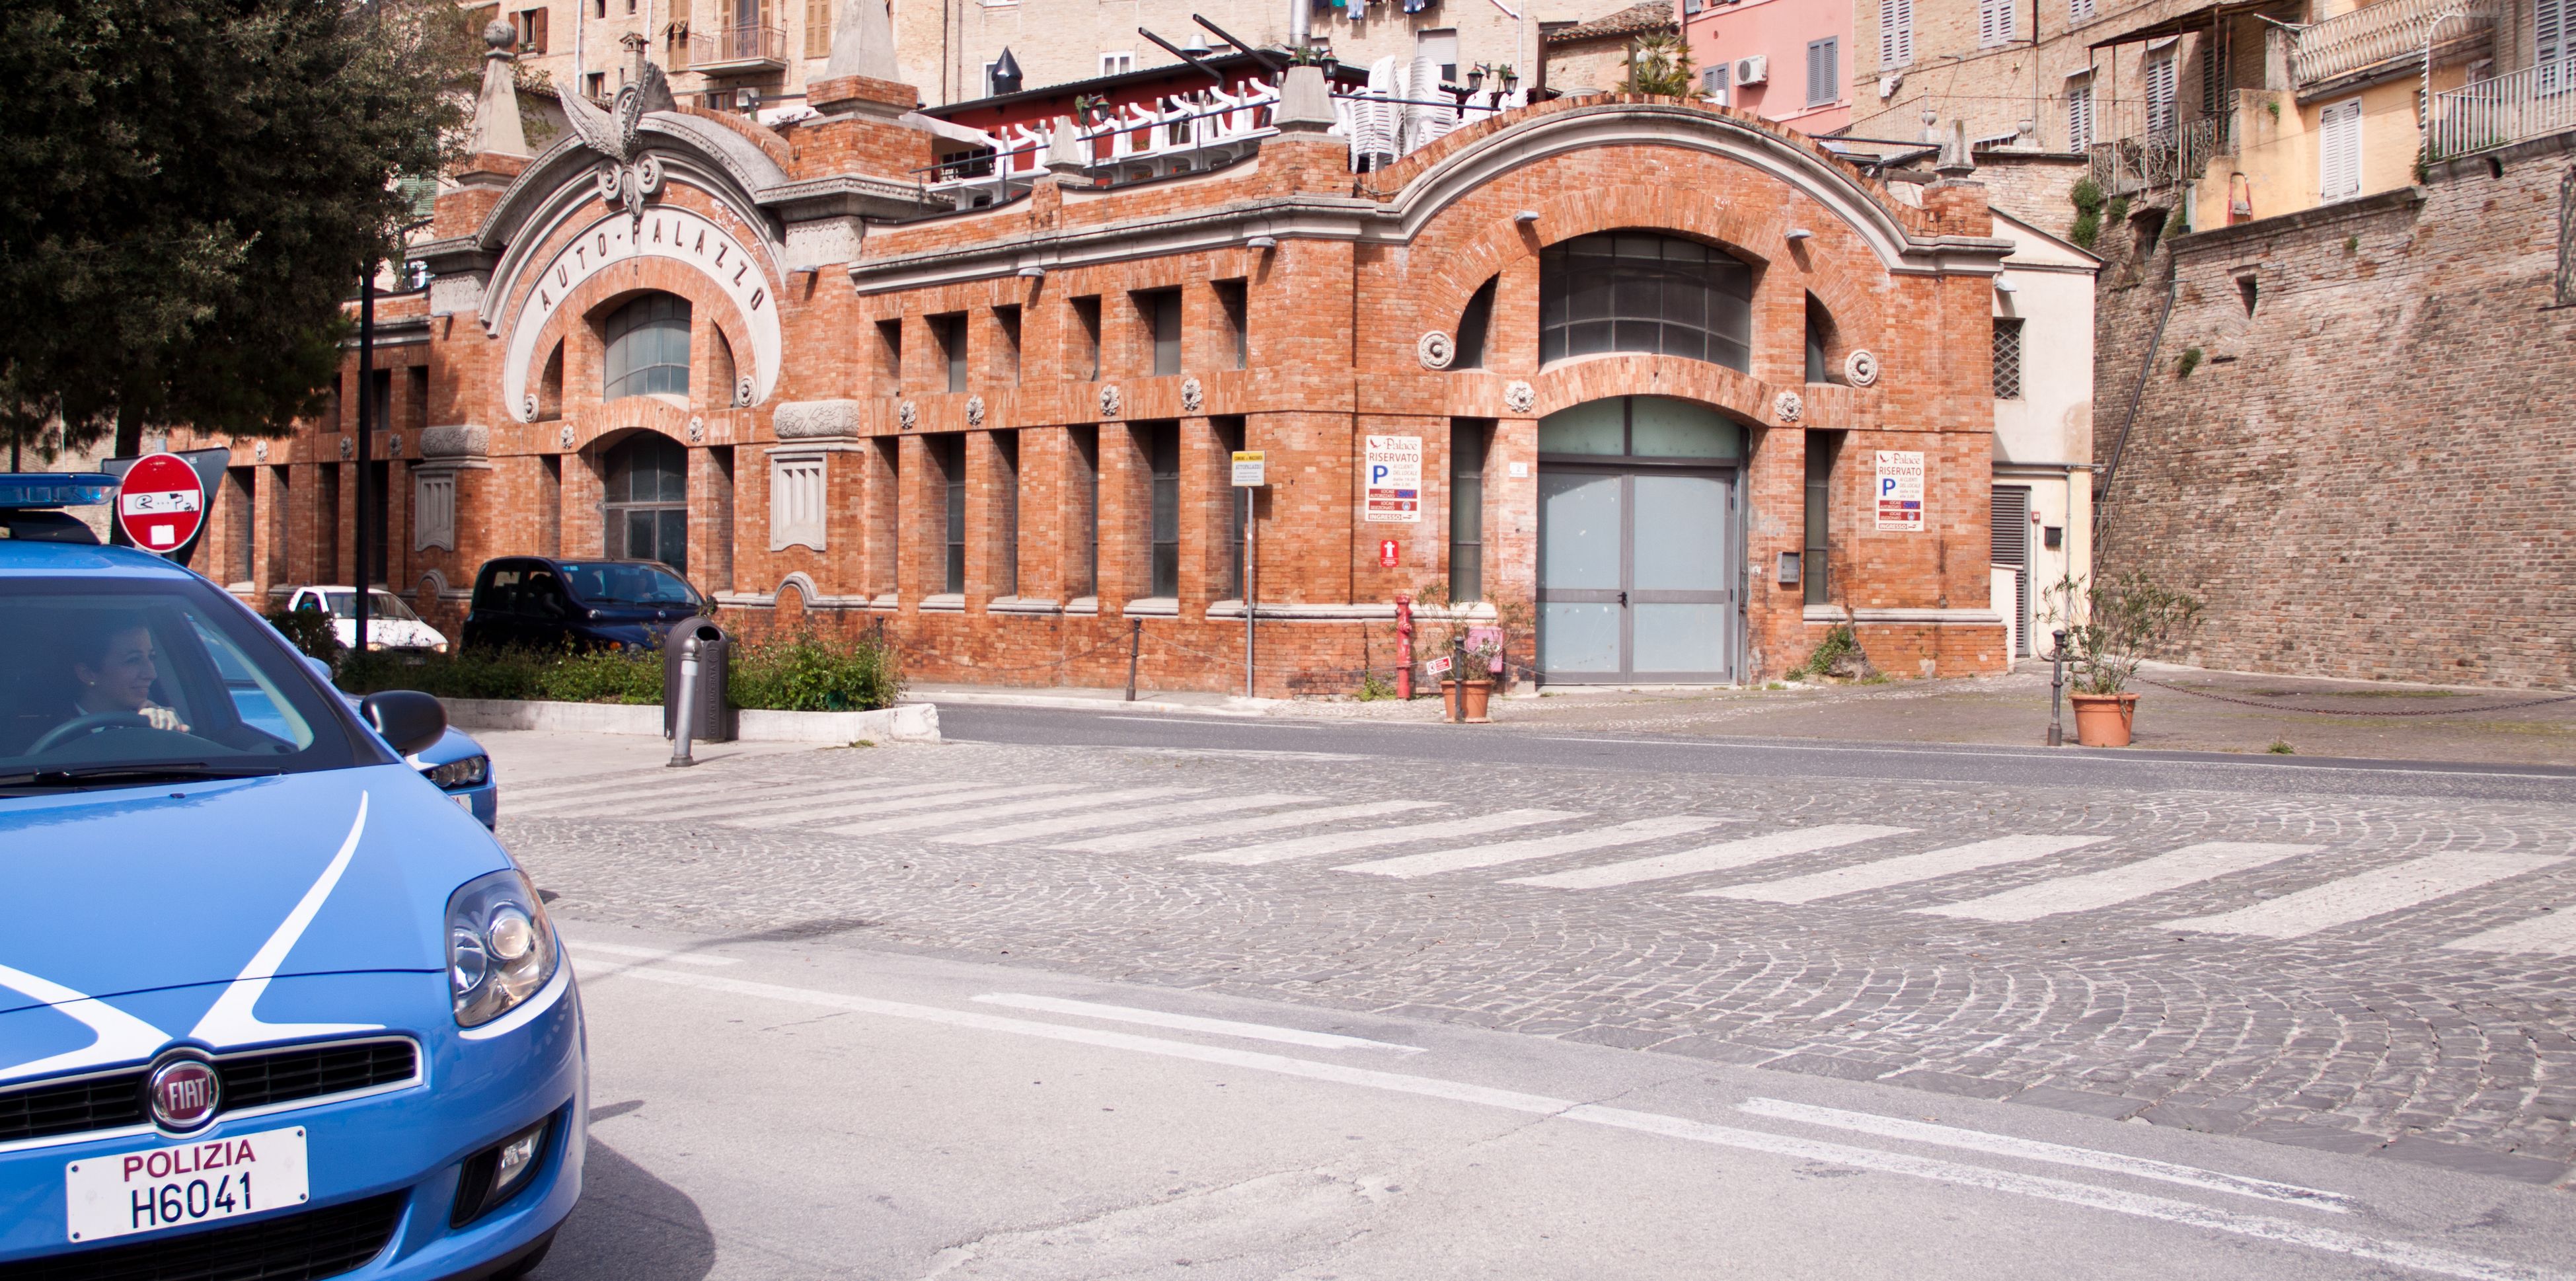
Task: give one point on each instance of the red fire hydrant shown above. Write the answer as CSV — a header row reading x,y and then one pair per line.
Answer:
x,y
1404,646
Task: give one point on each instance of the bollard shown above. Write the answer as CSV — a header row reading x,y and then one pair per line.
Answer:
x,y
1404,646
2057,691
1135,642
1458,673
684,719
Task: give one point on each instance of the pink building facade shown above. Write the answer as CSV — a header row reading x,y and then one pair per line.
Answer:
x,y
1788,60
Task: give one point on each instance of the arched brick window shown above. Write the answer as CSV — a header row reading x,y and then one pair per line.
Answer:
x,y
1643,291
648,348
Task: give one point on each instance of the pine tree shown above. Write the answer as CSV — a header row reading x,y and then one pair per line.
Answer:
x,y
187,191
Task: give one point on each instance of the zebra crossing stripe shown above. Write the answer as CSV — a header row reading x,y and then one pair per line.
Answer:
x,y
856,789
1715,858
1374,837
551,789
1124,818
2552,933
819,813
2373,893
974,814
2114,885
640,799
1128,842
1637,832
1904,869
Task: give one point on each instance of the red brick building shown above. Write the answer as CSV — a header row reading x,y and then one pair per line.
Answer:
x,y
1656,362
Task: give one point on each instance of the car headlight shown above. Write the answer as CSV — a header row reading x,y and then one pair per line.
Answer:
x,y
500,946
438,647
375,644
469,772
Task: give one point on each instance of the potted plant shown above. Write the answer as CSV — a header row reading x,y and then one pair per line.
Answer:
x,y
1464,630
2110,628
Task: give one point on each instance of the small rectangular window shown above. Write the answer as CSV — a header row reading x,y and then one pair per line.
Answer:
x,y
1231,302
1117,63
1085,360
889,371
2079,116
1006,358
532,30
1084,576
2079,10
1712,82
2160,96
1161,311
1229,440
416,382
818,27
596,85
1895,33
1163,458
2007,358
1821,448
950,330
1997,21
1824,77
1468,441
1440,45
1006,545
2339,155
950,452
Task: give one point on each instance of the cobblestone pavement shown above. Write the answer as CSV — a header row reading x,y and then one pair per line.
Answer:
x,y
2328,971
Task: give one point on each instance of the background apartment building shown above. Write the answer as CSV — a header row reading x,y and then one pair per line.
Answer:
x,y
720,52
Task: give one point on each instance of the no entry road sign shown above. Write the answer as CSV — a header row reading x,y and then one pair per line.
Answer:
x,y
162,504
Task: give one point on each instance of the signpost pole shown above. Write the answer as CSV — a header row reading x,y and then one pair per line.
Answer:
x,y
366,403
1251,569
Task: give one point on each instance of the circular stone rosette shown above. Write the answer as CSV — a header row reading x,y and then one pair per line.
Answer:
x,y
1861,367
1788,405
1436,350
1519,397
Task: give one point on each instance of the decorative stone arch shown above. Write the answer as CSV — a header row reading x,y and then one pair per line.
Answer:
x,y
1759,239
590,300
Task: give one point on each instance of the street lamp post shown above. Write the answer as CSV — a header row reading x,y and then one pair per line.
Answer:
x,y
366,423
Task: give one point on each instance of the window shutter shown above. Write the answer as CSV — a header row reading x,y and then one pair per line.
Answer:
x,y
1895,32
2079,117
2079,10
537,23
2160,95
818,28
2341,160
2007,21
1822,86
1987,33
2549,30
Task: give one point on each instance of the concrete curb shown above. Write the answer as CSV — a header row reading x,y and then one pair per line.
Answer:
x,y
1233,705
902,723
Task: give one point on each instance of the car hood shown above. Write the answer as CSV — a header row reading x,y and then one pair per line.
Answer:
x,y
146,915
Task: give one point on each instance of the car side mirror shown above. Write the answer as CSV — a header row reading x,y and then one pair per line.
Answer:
x,y
407,719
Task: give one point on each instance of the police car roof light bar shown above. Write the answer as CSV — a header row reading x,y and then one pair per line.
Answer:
x,y
55,489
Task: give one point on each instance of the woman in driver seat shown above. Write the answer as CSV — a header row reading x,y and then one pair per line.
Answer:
x,y
113,671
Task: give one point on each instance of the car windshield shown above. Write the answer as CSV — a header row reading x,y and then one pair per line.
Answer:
x,y
108,682
627,583
379,604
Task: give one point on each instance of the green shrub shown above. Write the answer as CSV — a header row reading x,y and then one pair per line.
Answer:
x,y
806,673
2190,361
802,673
2087,198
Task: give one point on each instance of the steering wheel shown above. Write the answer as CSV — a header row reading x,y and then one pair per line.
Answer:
x,y
89,724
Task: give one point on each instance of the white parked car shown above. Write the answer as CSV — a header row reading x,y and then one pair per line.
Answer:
x,y
390,623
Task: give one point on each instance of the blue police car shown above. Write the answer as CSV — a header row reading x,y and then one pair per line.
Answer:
x,y
272,1003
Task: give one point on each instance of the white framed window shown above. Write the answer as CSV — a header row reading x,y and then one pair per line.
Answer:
x,y
1441,47
1997,23
2553,41
2079,10
1712,82
1824,71
1118,63
433,510
2079,115
795,501
989,68
2339,155
1895,33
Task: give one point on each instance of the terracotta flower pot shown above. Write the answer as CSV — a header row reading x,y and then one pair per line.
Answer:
x,y
2103,720
1477,694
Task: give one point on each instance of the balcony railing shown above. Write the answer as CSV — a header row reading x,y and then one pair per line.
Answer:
x,y
2161,157
735,47
2493,113
2377,33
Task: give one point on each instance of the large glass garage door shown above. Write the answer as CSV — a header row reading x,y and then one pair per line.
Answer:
x,y
1637,529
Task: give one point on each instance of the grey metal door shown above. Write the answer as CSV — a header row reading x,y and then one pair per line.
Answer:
x,y
1634,580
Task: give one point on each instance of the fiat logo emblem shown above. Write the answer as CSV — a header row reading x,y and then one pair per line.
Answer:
x,y
185,1092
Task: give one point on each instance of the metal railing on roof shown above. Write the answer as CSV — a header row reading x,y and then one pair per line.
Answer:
x,y
2382,32
2161,156
2529,103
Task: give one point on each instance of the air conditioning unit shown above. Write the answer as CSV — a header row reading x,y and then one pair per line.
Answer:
x,y
1753,70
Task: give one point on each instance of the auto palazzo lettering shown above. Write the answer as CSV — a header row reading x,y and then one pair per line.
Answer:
x,y
665,232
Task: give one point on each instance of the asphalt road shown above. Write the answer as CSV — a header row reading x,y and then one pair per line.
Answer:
x,y
786,1110
1753,758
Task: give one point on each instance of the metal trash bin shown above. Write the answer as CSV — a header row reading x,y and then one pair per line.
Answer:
x,y
712,721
